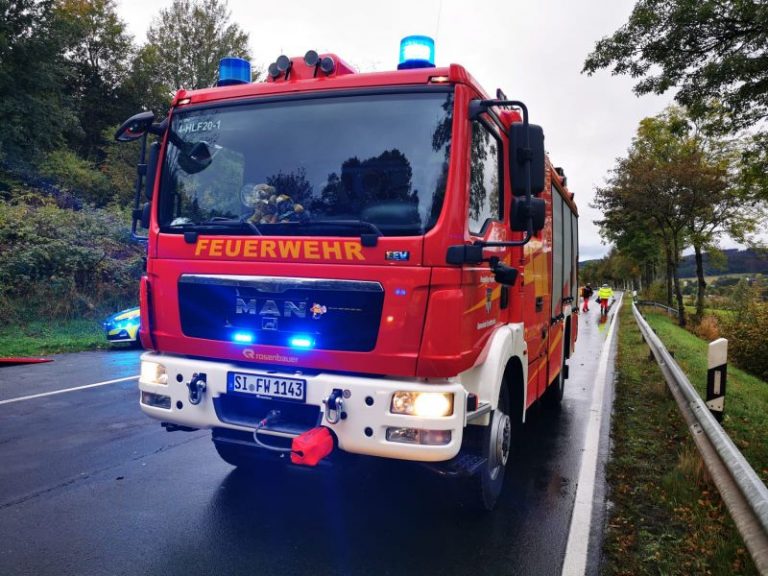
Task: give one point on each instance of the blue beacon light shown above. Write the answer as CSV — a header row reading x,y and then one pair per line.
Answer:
x,y
243,337
234,71
416,52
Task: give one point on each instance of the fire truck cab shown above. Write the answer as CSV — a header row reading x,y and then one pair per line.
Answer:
x,y
387,260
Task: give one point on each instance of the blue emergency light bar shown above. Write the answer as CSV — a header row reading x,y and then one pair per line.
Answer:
x,y
416,52
234,71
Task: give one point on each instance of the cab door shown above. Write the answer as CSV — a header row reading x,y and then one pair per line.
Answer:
x,y
486,304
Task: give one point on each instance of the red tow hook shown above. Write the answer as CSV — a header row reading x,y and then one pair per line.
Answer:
x,y
312,446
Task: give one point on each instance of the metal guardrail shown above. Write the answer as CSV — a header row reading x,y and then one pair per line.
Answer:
x,y
743,492
669,309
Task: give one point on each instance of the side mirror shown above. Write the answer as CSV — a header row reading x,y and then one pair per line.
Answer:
x,y
520,212
198,157
141,217
135,127
526,147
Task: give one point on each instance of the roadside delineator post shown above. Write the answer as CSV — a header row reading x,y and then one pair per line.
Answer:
x,y
717,364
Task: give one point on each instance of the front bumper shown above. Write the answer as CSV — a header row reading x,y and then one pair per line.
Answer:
x,y
122,334
366,405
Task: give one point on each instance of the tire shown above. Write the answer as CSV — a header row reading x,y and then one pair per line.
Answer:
x,y
481,492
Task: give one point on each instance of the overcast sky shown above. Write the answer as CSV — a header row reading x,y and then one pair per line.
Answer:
x,y
534,51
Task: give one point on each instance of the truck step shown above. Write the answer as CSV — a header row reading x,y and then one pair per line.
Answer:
x,y
463,465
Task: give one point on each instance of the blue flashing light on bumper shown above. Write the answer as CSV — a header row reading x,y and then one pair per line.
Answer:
x,y
243,337
301,342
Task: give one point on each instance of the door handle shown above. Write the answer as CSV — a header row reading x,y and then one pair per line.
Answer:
x,y
539,303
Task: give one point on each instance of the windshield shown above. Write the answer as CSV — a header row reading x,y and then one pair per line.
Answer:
x,y
322,166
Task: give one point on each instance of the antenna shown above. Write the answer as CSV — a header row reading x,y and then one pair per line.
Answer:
x,y
439,13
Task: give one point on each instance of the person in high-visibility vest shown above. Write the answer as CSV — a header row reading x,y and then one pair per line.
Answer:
x,y
603,295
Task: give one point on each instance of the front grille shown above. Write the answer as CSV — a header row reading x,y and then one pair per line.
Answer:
x,y
331,314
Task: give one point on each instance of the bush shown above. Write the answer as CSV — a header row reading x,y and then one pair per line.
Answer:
x,y
746,329
80,177
656,292
708,329
62,263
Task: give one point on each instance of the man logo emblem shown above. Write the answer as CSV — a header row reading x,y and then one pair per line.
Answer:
x,y
488,298
317,310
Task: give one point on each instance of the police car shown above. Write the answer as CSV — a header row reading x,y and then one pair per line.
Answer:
x,y
123,326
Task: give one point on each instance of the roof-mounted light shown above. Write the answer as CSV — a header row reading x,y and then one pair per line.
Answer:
x,y
283,63
234,71
311,58
416,52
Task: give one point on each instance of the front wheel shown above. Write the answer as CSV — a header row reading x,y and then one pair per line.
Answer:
x,y
496,441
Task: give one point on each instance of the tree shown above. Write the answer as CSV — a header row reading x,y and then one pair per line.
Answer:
x,y
33,106
713,50
714,200
186,41
642,190
97,50
145,90
681,184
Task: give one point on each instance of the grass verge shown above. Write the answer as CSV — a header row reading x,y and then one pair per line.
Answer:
x,y
38,337
746,398
666,515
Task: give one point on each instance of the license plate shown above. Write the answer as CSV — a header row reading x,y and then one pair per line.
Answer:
x,y
265,386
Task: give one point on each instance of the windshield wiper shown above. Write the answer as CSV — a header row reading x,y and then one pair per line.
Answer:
x,y
369,238
215,225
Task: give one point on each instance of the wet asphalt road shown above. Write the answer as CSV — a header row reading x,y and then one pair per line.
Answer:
x,y
90,486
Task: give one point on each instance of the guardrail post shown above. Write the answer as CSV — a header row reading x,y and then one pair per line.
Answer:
x,y
717,365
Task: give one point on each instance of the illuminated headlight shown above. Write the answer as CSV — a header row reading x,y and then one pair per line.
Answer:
x,y
156,400
418,436
153,373
423,404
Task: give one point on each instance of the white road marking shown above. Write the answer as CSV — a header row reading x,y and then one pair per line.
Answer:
x,y
44,394
575,562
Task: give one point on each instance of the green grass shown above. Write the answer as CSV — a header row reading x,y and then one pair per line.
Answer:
x,y
746,398
666,516
720,313
38,338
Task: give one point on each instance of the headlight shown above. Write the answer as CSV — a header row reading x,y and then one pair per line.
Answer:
x,y
153,373
423,404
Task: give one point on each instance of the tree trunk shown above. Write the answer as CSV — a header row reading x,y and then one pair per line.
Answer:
x,y
702,286
670,273
676,278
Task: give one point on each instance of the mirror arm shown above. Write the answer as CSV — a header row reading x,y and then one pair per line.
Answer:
x,y
141,170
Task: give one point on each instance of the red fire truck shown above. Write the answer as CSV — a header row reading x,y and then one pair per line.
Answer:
x,y
382,264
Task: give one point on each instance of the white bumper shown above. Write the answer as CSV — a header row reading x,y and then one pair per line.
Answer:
x,y
366,404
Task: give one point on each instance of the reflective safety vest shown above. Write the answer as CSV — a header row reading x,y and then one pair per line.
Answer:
x,y
604,293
